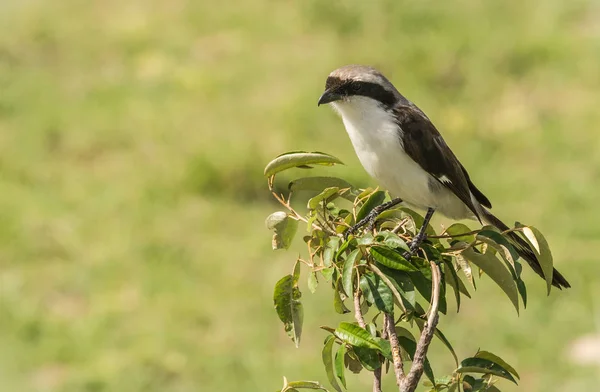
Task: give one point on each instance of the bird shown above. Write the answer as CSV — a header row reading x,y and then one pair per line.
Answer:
x,y
398,145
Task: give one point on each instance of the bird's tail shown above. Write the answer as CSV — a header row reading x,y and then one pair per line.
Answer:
x,y
523,249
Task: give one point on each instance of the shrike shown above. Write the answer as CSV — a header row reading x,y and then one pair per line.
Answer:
x,y
400,147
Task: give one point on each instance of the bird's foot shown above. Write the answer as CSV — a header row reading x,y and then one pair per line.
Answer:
x,y
371,217
368,220
414,244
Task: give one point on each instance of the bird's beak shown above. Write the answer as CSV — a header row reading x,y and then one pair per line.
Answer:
x,y
329,96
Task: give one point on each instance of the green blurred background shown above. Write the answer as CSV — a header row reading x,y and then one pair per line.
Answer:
x,y
133,134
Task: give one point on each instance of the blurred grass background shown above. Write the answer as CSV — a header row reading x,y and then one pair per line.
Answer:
x,y
133,135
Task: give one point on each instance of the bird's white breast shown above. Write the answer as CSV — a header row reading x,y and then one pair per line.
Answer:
x,y
377,142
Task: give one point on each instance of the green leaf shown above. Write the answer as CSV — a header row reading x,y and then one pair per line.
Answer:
x,y
312,282
542,252
373,201
421,324
356,336
289,308
329,251
325,196
365,288
328,362
423,282
458,228
466,268
453,282
484,366
284,228
496,359
296,273
382,294
306,385
352,363
403,283
299,158
495,270
339,364
392,240
470,384
500,243
392,259
368,357
338,303
522,290
328,273
348,272
317,184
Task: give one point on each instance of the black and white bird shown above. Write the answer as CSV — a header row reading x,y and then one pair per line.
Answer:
x,y
400,147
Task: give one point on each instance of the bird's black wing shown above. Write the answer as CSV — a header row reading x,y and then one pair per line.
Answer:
x,y
424,144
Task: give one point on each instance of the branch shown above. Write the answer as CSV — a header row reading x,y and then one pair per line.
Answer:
x,y
396,356
416,370
361,321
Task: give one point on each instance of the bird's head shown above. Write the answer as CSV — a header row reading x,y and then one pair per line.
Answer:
x,y
356,84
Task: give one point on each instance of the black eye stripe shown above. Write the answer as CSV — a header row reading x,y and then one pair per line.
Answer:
x,y
360,88
371,90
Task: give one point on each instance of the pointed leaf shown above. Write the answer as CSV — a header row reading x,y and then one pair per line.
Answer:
x,y
392,240
506,249
542,252
402,283
496,359
299,158
466,268
391,259
329,251
339,364
289,308
356,336
373,201
328,362
484,366
495,270
284,228
348,272
352,363
338,303
382,294
423,282
456,229
312,282
307,385
327,195
368,357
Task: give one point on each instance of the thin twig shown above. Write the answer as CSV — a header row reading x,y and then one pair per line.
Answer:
x,y
400,225
286,204
454,235
416,370
389,283
396,356
377,379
